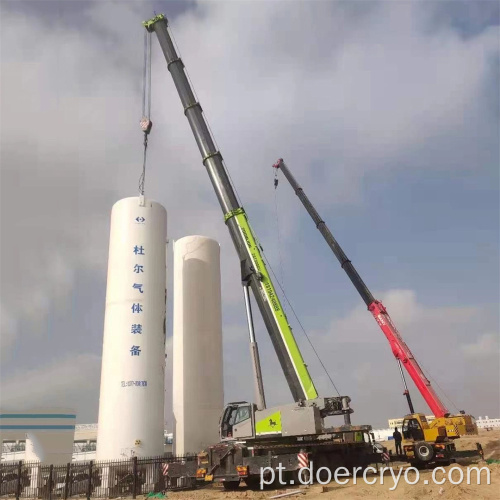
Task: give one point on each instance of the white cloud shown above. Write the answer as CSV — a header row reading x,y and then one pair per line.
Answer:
x,y
8,325
487,345
439,338
411,317
72,146
68,381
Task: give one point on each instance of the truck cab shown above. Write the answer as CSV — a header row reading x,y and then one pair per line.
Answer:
x,y
237,421
413,427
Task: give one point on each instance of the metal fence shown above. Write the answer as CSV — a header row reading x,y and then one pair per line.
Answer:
x,y
99,479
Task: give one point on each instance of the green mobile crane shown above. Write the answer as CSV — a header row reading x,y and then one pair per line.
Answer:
x,y
251,435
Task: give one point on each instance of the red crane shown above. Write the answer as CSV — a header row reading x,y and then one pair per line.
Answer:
x,y
399,348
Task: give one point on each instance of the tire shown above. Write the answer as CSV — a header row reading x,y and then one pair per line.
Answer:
x,y
424,451
231,485
253,482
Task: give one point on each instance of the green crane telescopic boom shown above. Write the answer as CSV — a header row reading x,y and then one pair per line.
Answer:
x,y
253,269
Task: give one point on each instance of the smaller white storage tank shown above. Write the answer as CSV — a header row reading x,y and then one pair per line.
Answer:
x,y
50,447
198,396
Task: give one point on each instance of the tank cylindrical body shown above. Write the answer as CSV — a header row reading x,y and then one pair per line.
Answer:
x,y
131,404
50,447
198,396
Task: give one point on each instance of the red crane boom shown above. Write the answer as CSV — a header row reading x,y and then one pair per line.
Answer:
x,y
399,348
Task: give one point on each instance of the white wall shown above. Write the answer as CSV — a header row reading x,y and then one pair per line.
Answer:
x,y
488,423
383,434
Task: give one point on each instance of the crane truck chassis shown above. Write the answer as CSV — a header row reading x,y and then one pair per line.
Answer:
x,y
233,462
289,437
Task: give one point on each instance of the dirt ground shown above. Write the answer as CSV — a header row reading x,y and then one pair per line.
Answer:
x,y
490,442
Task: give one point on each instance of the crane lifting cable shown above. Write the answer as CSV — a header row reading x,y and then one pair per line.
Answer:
x,y
146,123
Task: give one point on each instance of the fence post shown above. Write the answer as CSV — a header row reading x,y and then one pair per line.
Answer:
x,y
89,484
18,485
134,492
51,480
66,481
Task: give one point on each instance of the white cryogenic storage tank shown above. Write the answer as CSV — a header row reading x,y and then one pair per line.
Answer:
x,y
198,396
131,404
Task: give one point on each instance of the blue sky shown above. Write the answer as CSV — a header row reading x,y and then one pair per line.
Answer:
x,y
386,113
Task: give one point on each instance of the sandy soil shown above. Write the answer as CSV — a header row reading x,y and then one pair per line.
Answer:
x,y
490,442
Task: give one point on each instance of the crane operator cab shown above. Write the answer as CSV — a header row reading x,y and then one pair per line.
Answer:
x,y
412,430
237,421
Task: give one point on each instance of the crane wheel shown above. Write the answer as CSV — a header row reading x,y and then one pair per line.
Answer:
x,y
231,485
424,451
253,482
